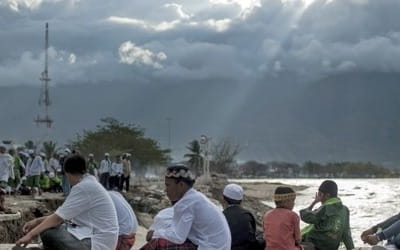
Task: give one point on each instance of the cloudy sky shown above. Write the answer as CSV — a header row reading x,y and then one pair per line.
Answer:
x,y
161,41
186,43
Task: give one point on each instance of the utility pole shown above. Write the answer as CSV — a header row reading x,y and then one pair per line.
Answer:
x,y
44,98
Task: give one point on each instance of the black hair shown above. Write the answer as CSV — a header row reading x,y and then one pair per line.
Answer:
x,y
177,168
232,201
75,164
329,187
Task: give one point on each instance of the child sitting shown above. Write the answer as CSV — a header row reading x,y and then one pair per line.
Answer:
x,y
329,224
282,225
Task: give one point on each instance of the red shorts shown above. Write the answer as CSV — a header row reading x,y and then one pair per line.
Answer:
x,y
162,244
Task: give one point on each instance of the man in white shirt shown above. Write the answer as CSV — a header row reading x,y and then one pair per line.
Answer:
x,y
54,164
36,168
196,224
104,171
126,172
89,216
116,173
6,172
127,221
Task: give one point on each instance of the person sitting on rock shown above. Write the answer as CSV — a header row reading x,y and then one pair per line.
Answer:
x,y
89,215
241,221
330,223
127,221
281,224
196,224
387,230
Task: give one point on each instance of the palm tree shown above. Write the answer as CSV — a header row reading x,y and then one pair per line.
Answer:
x,y
195,160
49,148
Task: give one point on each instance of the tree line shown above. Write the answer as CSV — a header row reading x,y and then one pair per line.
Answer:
x,y
116,138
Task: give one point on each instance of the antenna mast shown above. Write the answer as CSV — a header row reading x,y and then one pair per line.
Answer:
x,y
44,98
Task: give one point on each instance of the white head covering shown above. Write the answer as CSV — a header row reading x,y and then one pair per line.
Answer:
x,y
234,192
31,152
106,154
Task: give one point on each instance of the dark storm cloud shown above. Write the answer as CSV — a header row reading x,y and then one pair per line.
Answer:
x,y
97,40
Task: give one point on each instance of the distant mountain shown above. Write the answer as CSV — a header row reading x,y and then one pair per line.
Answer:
x,y
346,117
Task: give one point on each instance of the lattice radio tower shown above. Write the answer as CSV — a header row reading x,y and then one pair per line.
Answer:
x,y
44,99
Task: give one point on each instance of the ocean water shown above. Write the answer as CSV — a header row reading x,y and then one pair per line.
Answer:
x,y
370,201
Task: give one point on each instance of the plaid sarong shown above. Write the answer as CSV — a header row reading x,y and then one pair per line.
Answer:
x,y
162,244
125,242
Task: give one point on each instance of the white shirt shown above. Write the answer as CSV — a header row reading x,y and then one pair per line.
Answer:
x,y
127,221
90,207
54,165
28,166
196,218
163,220
105,166
37,166
116,169
6,167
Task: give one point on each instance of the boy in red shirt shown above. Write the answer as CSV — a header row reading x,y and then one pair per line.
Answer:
x,y
282,225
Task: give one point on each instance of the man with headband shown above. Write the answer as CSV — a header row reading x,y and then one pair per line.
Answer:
x,y
330,223
282,225
196,224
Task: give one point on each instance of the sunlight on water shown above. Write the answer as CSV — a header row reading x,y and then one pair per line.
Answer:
x,y
370,200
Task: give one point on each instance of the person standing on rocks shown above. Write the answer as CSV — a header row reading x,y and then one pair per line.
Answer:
x,y
66,187
86,220
115,174
104,171
36,168
92,165
6,172
15,182
196,224
126,172
241,222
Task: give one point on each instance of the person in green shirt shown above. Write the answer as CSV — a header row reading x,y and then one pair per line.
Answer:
x,y
45,182
17,162
330,223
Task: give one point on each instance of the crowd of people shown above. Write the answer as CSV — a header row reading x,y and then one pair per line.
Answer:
x,y
95,216
27,172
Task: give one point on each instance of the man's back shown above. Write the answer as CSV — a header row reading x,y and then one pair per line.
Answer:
x,y
209,229
91,210
330,226
126,217
281,229
242,226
